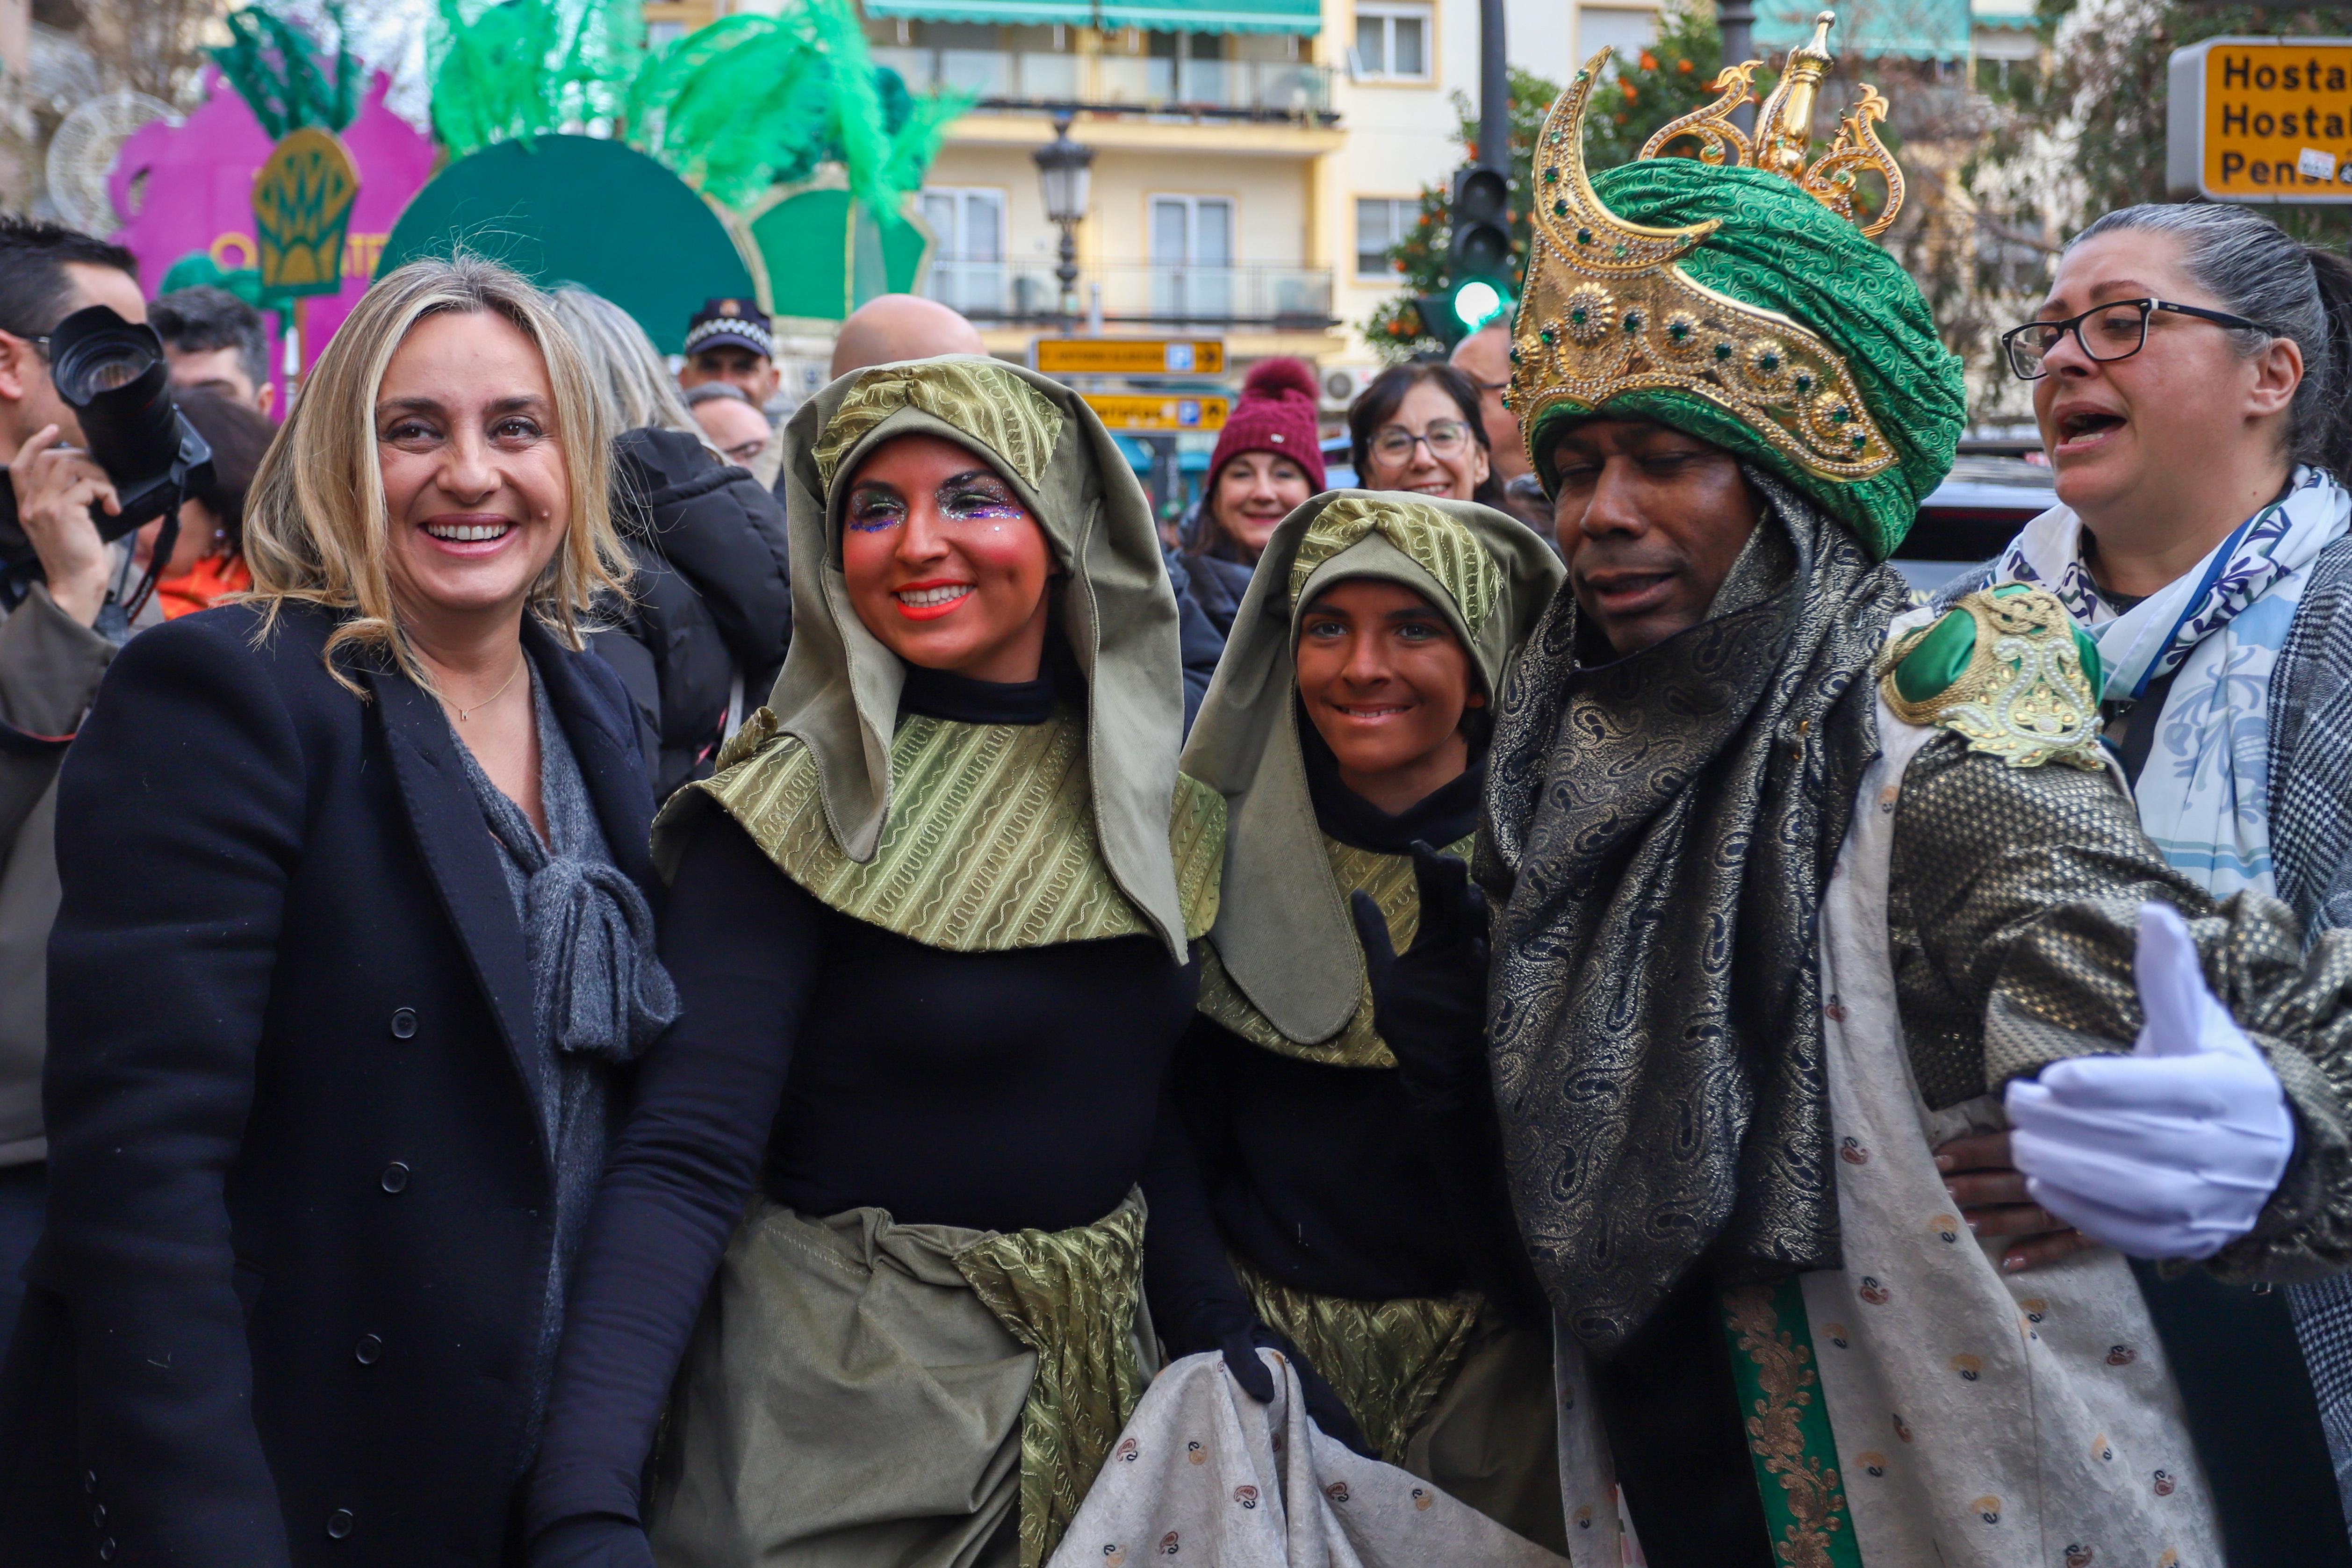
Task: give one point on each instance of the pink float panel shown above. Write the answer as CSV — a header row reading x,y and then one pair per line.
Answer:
x,y
190,187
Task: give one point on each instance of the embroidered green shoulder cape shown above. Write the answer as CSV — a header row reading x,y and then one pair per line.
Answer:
x,y
990,843
1389,878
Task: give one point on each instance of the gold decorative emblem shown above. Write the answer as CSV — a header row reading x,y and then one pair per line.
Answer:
x,y
302,199
1609,309
2023,695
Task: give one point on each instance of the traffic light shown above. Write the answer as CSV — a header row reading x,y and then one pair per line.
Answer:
x,y
1478,263
1482,224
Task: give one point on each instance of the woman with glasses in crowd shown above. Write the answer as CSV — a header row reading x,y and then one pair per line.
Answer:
x,y
2190,369
354,935
1418,428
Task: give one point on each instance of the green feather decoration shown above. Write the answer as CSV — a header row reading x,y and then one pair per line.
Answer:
x,y
274,66
521,69
752,102
721,103
735,107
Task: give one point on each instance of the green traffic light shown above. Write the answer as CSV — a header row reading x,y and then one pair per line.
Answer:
x,y
1478,303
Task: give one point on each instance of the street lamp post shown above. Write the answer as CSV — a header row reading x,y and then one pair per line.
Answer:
x,y
1064,174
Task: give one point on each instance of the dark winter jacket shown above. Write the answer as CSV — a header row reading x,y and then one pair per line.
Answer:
x,y
713,597
289,1310
1202,582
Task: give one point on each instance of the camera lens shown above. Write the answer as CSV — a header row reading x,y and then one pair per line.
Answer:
x,y
112,372
110,367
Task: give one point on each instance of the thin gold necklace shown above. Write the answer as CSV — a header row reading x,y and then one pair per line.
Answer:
x,y
465,713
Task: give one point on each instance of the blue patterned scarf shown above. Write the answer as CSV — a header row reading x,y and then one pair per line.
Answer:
x,y
2217,630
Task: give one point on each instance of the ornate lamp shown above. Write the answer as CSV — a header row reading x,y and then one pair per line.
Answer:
x,y
1064,174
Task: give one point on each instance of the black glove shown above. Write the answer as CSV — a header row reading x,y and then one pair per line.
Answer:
x,y
592,1540
1239,1334
1429,1002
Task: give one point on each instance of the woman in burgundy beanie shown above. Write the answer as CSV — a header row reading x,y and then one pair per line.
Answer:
x,y
1268,461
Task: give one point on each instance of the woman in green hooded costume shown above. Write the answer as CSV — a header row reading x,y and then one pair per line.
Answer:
x,y
1342,1200
934,916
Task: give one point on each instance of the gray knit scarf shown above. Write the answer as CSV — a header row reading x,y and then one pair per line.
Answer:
x,y
597,990
1659,830
599,993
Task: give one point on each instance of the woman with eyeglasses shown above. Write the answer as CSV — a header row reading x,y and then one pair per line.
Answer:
x,y
1418,428
2189,374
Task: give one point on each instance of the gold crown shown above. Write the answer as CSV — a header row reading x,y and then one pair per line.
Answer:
x,y
1607,308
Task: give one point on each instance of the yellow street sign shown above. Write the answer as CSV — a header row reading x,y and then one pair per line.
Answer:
x,y
1130,356
2262,119
1157,412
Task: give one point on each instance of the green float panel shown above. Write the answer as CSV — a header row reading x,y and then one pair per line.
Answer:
x,y
579,209
825,255
905,248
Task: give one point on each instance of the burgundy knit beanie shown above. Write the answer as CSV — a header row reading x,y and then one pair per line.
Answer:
x,y
1276,414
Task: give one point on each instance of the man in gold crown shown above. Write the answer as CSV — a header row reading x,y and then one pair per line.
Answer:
x,y
1808,903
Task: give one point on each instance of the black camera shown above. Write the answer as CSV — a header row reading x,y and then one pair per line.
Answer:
x,y
113,374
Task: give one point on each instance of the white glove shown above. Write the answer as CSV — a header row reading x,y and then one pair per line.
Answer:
x,y
2173,1150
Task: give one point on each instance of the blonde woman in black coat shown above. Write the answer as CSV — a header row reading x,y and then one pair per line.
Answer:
x,y
353,936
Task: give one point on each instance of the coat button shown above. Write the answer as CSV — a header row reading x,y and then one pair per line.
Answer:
x,y
395,1177
97,1517
106,1550
368,1350
339,1523
403,1023
89,1480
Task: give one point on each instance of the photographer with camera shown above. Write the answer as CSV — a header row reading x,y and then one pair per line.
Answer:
x,y
51,657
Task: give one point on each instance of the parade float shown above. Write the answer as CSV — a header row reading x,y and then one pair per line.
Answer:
x,y
762,156
769,154
287,155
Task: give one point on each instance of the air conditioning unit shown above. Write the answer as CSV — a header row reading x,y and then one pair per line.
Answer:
x,y
1342,384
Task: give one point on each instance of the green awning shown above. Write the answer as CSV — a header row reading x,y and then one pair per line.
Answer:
x,y
1916,29
1299,17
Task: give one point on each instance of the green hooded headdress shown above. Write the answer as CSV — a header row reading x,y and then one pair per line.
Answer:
x,y
977,838
1287,971
1738,299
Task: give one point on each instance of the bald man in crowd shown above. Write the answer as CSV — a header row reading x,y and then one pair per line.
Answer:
x,y
901,326
1485,357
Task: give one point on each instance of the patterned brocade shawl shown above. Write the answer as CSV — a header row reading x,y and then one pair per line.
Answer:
x,y
1660,831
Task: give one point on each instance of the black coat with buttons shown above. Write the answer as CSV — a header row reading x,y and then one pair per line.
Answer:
x,y
287,1308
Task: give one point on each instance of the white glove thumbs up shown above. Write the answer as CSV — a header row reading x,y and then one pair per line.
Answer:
x,y
2170,985
2171,1152
2183,1019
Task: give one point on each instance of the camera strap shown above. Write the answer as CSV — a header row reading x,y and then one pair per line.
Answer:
x,y
18,742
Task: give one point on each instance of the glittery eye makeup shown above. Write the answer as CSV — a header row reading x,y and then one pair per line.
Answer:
x,y
874,507
980,496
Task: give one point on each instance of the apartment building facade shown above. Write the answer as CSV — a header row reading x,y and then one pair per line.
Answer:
x,y
1254,159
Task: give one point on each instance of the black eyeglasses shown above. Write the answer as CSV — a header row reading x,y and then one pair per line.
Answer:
x,y
1444,438
2116,330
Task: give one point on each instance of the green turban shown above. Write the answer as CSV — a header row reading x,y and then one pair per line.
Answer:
x,y
1780,249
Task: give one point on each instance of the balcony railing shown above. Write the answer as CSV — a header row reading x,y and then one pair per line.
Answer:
x,y
1141,292
1251,88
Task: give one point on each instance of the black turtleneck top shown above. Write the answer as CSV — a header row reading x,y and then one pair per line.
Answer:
x,y
840,1066
1331,1179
